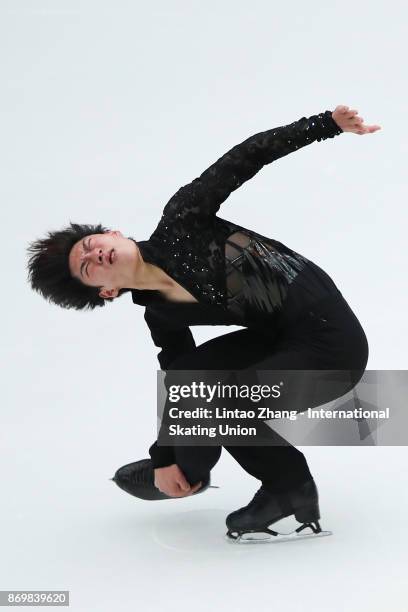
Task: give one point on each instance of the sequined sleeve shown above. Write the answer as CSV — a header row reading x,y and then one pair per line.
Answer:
x,y
204,195
173,342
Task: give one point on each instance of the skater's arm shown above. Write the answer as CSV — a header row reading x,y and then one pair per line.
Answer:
x,y
204,195
173,342
161,456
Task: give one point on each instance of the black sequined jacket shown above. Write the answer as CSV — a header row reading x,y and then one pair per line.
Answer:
x,y
238,276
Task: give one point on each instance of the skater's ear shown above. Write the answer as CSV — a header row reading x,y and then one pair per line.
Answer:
x,y
108,293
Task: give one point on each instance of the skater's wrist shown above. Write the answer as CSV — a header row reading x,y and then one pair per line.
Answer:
x,y
161,456
157,465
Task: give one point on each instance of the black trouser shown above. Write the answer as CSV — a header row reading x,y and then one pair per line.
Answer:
x,y
327,337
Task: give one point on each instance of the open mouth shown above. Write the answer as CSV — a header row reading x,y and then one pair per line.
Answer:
x,y
112,256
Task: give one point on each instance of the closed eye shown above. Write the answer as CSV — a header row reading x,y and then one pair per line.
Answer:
x,y
85,247
89,248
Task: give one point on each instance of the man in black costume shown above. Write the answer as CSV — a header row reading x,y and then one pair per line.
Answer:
x,y
199,269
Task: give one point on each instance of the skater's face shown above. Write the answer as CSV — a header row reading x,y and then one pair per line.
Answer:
x,y
104,260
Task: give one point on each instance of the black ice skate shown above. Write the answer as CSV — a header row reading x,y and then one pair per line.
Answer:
x,y
137,479
267,508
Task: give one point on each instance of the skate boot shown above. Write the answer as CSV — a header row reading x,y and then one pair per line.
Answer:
x,y
137,479
252,523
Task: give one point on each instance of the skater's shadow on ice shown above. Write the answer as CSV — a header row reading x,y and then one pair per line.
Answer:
x,y
202,531
194,530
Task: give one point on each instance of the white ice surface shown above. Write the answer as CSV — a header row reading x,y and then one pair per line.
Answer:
x,y
113,551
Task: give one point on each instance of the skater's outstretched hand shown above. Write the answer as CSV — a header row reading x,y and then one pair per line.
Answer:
x,y
171,481
349,121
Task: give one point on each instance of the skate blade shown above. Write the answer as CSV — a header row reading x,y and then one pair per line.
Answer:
x,y
262,537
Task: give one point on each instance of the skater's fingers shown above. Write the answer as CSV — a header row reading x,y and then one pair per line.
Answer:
x,y
182,481
196,487
183,484
179,492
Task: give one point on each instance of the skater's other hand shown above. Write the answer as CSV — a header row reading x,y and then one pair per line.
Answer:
x,y
349,121
171,481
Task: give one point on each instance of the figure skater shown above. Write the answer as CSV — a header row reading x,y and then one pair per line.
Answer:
x,y
200,269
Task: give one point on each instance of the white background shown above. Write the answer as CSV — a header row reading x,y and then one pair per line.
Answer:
x,y
107,108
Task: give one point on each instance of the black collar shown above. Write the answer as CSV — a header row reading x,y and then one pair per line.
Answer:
x,y
145,296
